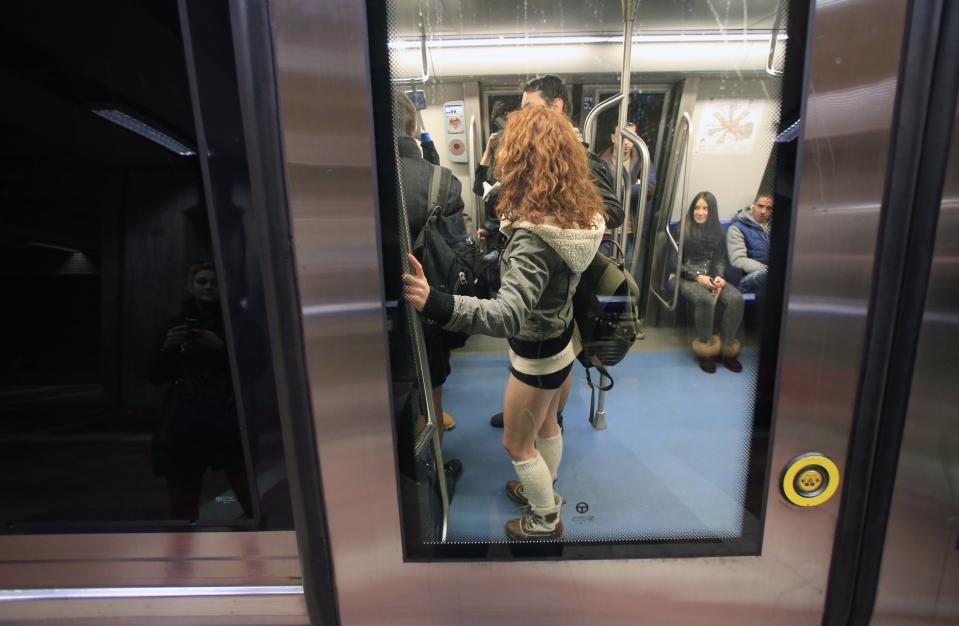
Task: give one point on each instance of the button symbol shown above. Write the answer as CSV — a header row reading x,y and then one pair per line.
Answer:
x,y
581,507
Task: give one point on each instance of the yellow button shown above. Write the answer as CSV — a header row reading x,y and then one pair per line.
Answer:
x,y
809,480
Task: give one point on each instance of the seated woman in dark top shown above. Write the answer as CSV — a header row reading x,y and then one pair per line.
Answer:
x,y
702,285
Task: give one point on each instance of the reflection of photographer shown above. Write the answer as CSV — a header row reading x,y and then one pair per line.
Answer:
x,y
199,427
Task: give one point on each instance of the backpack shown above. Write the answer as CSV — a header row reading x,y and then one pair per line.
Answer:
x,y
451,261
606,310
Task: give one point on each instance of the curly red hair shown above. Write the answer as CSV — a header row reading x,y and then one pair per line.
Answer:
x,y
543,171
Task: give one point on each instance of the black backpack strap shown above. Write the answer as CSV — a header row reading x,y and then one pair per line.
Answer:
x,y
595,362
439,187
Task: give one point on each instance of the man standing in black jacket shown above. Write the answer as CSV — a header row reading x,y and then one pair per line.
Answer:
x,y
547,91
417,173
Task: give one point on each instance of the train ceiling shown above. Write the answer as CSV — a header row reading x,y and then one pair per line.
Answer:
x,y
476,18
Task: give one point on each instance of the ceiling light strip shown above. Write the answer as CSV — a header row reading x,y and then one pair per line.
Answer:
x,y
405,44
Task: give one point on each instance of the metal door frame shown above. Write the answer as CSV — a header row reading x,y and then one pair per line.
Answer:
x,y
333,195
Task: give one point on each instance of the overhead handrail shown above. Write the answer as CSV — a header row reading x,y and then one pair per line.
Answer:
x,y
432,429
589,126
641,204
773,38
687,123
423,56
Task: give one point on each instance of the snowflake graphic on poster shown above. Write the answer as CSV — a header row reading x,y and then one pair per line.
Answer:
x,y
728,125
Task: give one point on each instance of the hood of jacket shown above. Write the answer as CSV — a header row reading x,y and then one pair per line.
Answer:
x,y
576,246
745,216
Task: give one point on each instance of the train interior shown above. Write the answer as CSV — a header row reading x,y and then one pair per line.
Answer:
x,y
668,455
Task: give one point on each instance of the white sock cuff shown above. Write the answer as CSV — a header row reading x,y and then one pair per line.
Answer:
x,y
528,463
557,437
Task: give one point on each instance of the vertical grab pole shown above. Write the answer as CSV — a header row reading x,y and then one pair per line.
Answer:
x,y
434,426
478,208
629,16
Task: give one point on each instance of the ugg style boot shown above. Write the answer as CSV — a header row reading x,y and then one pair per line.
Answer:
x,y
731,350
538,525
705,351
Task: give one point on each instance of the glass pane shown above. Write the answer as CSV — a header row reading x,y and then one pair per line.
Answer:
x,y
119,407
671,458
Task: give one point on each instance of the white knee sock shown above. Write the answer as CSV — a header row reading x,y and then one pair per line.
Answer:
x,y
551,448
537,483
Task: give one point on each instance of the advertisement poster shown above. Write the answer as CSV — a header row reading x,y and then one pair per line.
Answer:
x,y
728,126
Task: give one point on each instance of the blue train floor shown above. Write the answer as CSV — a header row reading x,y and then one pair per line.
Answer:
x,y
671,465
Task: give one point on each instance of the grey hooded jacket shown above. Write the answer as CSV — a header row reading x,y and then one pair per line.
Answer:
x,y
540,268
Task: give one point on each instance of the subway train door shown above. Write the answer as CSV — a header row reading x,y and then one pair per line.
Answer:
x,y
736,445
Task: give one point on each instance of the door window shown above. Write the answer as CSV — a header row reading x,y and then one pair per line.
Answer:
x,y
668,455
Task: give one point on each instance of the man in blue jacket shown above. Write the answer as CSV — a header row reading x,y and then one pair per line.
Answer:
x,y
747,243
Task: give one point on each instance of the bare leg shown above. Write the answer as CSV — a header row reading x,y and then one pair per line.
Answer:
x,y
524,411
550,426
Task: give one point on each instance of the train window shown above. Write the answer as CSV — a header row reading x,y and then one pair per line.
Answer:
x,y
508,445
120,407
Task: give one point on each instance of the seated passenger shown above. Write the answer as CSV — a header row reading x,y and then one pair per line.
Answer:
x,y
555,221
416,172
701,282
747,242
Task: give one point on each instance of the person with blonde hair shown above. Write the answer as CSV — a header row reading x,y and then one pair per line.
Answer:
x,y
554,220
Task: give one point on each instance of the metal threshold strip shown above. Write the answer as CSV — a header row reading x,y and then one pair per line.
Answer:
x,y
11,595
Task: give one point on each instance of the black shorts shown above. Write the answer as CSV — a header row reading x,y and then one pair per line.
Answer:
x,y
437,354
546,381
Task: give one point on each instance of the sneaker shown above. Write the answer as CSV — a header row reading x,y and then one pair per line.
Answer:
x,y
448,422
514,489
533,527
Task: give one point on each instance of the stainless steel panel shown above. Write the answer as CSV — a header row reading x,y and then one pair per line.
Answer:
x,y
324,98
919,579
252,610
144,559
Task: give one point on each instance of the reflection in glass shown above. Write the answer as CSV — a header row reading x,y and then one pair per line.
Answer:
x,y
118,408
682,460
199,428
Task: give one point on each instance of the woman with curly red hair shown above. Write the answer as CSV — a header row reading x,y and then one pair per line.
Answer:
x,y
555,222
